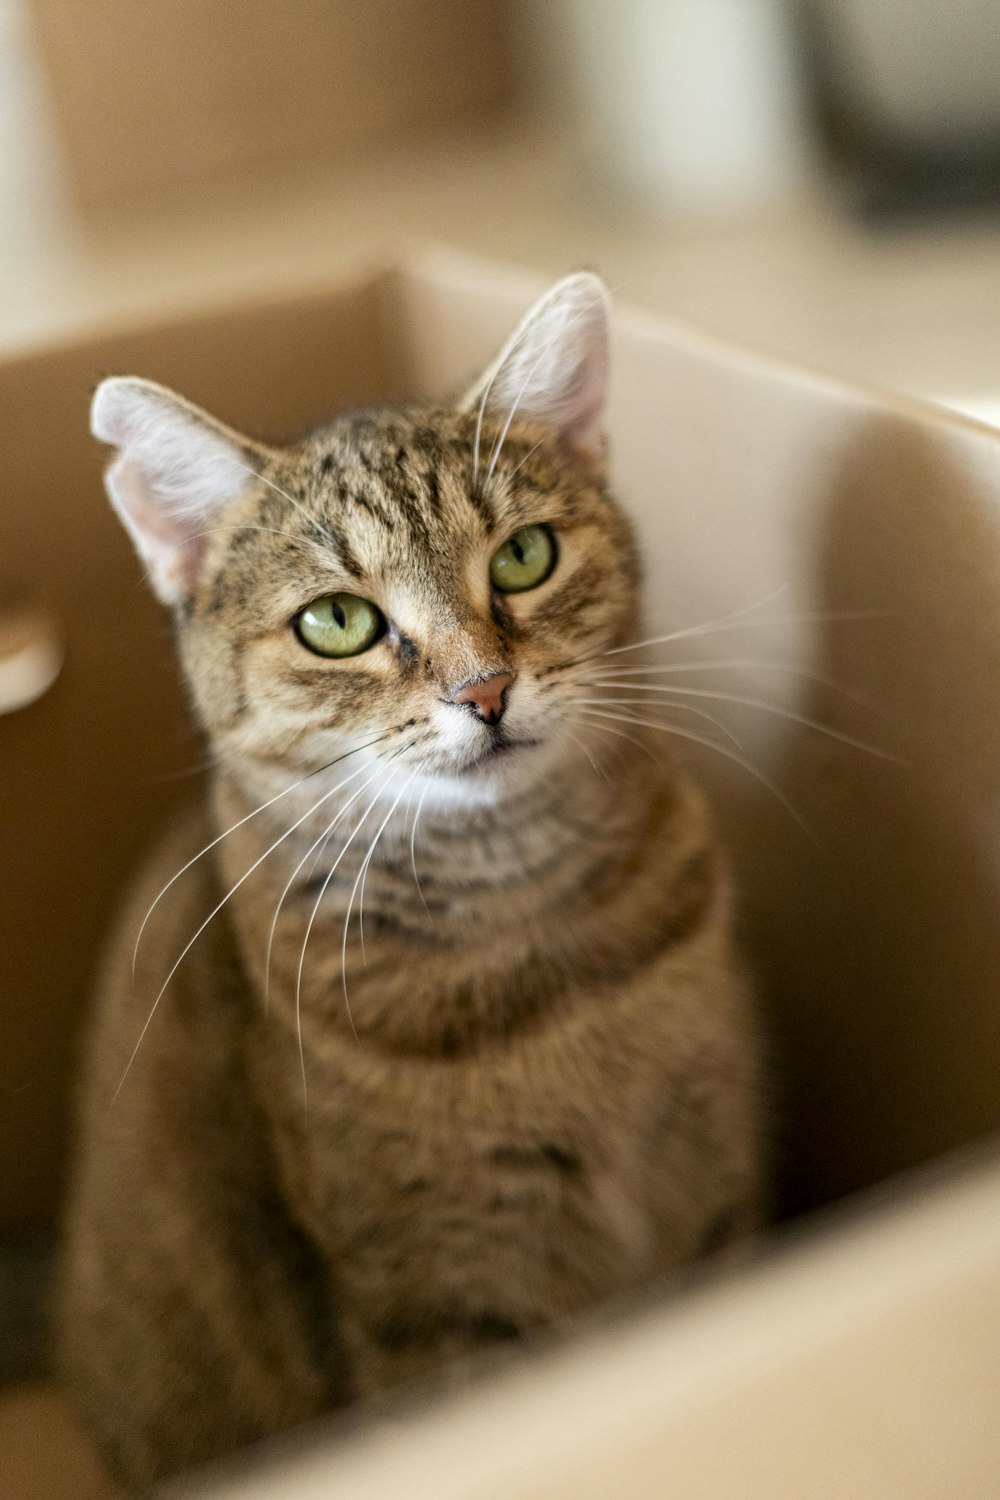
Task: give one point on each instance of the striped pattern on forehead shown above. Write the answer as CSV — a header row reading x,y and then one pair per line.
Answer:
x,y
390,505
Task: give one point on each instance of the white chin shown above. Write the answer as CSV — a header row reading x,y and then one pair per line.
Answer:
x,y
488,780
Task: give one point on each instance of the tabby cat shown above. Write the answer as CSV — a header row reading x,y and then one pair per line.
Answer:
x,y
440,1038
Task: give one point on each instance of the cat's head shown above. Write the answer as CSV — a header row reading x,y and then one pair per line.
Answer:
x,y
413,581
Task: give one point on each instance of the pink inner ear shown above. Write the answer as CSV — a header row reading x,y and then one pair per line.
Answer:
x,y
582,425
558,367
170,545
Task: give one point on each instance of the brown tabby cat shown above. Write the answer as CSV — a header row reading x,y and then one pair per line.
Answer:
x,y
351,1149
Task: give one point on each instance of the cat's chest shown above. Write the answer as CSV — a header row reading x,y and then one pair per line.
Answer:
x,y
541,1149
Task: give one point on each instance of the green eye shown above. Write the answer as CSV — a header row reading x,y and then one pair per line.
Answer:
x,y
525,561
339,625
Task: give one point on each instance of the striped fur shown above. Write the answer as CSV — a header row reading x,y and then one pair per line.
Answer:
x,y
530,1084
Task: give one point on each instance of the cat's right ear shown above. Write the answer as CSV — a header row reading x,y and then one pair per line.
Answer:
x,y
176,469
554,368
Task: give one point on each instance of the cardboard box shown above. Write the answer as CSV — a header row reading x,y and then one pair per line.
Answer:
x,y
852,533
157,97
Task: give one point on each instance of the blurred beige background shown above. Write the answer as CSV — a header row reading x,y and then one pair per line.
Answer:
x,y
540,149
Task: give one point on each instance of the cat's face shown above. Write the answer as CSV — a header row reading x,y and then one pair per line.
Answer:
x,y
408,581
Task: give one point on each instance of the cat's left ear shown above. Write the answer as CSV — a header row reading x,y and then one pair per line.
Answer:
x,y
554,367
176,469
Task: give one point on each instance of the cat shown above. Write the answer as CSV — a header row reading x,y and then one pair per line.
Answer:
x,y
463,1045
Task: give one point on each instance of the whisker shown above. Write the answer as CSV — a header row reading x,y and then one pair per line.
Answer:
x,y
362,874
740,760
733,663
818,618
559,333
305,943
196,769
482,404
505,354
686,707
729,622
263,806
748,701
309,927
631,716
321,841
574,739
722,621
479,426
213,913
272,530
621,735
413,849
292,501
521,336
519,466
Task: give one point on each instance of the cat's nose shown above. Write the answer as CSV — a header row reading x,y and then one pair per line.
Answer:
x,y
486,694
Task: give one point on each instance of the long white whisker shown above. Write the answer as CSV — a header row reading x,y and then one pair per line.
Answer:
x,y
558,334
362,874
292,501
213,913
479,426
782,713
309,927
321,841
271,530
263,806
733,663
575,740
621,735
506,354
730,622
413,849
305,942
740,760
722,623
631,716
519,466
645,706
819,618
482,408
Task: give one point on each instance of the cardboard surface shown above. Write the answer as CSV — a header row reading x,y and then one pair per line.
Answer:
x,y
862,1365
852,535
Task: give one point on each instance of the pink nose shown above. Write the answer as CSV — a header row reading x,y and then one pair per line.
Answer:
x,y
486,696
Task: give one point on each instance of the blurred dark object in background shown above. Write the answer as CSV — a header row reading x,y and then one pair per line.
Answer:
x,y
908,100
153,98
